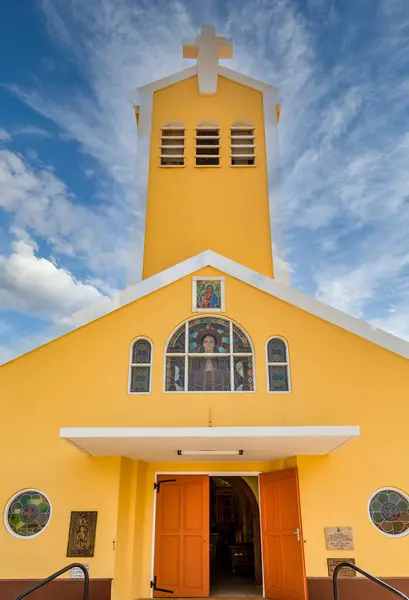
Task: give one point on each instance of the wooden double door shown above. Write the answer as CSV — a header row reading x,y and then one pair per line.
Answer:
x,y
181,565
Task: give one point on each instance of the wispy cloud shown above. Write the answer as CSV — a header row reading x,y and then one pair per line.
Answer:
x,y
4,135
344,135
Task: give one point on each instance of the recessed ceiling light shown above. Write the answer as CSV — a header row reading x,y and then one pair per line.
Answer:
x,y
210,452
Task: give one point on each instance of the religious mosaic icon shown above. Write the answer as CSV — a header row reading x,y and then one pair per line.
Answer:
x,y
81,540
389,512
209,354
208,294
27,513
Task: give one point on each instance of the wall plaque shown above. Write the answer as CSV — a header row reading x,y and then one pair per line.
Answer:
x,y
345,571
81,539
339,538
76,573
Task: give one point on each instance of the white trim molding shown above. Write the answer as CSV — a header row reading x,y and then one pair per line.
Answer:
x,y
308,304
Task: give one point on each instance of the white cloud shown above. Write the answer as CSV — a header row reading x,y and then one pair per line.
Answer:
x,y
32,130
42,207
4,135
37,286
351,290
344,155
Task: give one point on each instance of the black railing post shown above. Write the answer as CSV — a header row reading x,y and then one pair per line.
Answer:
x,y
365,574
54,576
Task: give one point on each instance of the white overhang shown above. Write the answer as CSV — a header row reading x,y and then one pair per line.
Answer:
x,y
157,444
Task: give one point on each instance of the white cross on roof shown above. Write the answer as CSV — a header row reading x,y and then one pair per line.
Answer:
x,y
208,48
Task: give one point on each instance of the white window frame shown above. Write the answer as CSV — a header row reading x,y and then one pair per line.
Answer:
x,y
177,127
230,355
222,294
250,143
205,126
138,365
278,364
9,503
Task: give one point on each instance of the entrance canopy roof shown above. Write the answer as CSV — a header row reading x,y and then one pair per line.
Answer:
x,y
215,444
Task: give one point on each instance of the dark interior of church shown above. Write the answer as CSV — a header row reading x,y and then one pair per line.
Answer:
x,y
235,547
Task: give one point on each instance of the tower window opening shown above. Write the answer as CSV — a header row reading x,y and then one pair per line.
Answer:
x,y
242,146
172,147
207,147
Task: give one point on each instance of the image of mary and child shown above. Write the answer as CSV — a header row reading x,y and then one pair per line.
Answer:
x,y
208,298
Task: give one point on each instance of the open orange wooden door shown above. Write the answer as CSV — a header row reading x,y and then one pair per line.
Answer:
x,y
282,539
182,536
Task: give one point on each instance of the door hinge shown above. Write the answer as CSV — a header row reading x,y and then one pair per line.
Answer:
x,y
153,587
157,484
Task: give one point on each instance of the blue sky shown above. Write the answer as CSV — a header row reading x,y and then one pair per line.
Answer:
x,y
69,183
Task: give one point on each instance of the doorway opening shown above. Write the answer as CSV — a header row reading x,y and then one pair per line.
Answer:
x,y
235,542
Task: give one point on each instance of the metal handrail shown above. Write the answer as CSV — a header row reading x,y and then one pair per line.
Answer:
x,y
54,576
365,574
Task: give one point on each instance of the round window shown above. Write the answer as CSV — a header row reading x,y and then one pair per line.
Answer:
x,y
389,512
27,514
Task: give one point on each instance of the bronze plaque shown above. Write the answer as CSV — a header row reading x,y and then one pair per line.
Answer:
x,y
345,571
81,539
339,538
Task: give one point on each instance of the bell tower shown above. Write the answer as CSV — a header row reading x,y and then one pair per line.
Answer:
x,y
207,181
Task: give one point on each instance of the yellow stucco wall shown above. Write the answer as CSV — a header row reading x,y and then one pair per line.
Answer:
x,y
81,380
236,222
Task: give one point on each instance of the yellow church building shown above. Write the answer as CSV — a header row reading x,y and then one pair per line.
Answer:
x,y
211,431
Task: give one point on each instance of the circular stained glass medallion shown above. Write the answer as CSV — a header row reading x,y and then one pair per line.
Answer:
x,y
389,512
27,514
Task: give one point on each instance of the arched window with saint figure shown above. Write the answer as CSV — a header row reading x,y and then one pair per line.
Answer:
x,y
278,365
140,369
209,354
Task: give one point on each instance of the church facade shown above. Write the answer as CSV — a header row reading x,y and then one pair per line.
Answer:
x,y
212,431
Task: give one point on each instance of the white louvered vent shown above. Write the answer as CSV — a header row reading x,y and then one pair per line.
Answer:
x,y
242,146
172,147
207,146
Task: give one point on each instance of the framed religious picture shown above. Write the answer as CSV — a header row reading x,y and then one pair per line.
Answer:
x,y
208,294
81,538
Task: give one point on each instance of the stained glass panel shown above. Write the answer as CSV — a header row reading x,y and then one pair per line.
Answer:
x,y
243,374
389,512
28,513
209,374
177,342
175,374
140,379
276,351
278,379
209,335
240,341
141,352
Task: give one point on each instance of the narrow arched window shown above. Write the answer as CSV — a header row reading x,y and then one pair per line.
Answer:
x,y
209,354
140,371
172,145
207,145
243,146
278,365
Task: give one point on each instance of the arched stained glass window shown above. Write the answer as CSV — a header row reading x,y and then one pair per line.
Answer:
x,y
278,365
209,354
389,512
27,513
140,367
